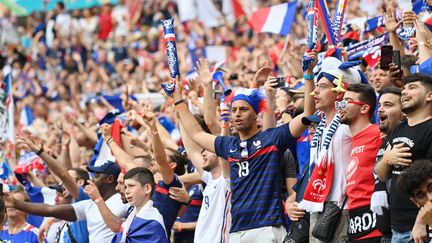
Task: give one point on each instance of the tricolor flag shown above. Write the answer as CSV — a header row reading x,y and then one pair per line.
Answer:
x,y
7,129
277,19
147,225
101,151
26,116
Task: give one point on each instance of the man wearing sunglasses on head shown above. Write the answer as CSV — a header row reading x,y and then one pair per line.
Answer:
x,y
330,151
356,109
253,162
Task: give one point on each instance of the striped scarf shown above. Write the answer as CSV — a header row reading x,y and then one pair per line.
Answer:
x,y
321,179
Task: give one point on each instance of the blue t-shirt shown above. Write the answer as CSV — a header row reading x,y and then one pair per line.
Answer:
x,y
256,178
167,206
192,212
29,235
78,228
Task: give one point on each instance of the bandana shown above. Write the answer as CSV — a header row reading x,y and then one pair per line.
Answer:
x,y
254,97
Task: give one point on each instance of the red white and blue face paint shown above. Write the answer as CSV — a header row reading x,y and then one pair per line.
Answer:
x,y
173,65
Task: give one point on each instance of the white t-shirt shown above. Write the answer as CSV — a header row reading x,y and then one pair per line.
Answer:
x,y
88,210
214,220
341,158
120,14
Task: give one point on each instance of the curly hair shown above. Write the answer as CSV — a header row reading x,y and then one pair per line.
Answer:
x,y
411,178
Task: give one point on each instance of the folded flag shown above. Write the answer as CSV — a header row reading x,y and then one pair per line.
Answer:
x,y
277,19
101,151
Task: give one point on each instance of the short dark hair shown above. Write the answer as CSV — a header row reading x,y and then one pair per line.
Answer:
x,y
142,175
424,79
81,174
61,5
180,160
417,173
367,95
392,90
408,60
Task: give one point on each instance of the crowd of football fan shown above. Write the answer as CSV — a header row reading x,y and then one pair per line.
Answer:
x,y
125,162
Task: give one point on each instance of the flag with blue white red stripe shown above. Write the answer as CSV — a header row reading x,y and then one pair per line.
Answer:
x,y
276,19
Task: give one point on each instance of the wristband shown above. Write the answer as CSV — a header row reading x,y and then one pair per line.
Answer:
x,y
181,106
178,102
40,151
179,226
308,76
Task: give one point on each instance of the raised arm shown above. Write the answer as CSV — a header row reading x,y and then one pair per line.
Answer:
x,y
65,212
159,154
269,120
296,125
33,143
193,151
112,221
124,160
190,124
205,77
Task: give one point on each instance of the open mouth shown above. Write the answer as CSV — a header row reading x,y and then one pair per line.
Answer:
x,y
382,118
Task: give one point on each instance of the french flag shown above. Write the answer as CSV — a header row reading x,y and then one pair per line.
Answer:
x,y
26,116
101,151
147,225
277,19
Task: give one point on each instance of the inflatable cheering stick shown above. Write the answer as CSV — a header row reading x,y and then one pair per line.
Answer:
x,y
170,42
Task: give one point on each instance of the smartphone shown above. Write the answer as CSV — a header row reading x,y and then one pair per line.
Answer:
x,y
386,57
397,59
280,82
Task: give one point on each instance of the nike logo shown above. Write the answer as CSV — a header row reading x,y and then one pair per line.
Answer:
x,y
232,150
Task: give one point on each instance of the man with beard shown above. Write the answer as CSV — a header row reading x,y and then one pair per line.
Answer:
x,y
389,115
411,140
253,161
356,109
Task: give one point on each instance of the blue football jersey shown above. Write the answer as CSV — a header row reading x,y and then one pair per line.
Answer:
x,y
255,176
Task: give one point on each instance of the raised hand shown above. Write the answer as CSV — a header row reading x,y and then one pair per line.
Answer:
x,y
269,86
205,76
261,75
29,142
391,23
310,60
150,119
92,191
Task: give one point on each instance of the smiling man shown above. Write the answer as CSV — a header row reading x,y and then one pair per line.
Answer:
x,y
254,161
411,140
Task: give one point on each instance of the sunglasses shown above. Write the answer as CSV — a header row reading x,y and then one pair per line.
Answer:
x,y
342,105
244,154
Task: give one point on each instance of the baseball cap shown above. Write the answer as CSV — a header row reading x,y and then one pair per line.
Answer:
x,y
108,167
58,188
307,120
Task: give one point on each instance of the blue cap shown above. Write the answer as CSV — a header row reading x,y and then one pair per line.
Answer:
x,y
307,120
108,167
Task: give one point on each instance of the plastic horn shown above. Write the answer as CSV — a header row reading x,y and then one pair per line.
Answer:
x,y
217,76
339,88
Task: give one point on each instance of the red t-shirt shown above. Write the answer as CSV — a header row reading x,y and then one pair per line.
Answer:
x,y
360,180
105,25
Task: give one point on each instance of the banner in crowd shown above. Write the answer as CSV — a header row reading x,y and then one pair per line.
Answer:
x,y
26,7
357,50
